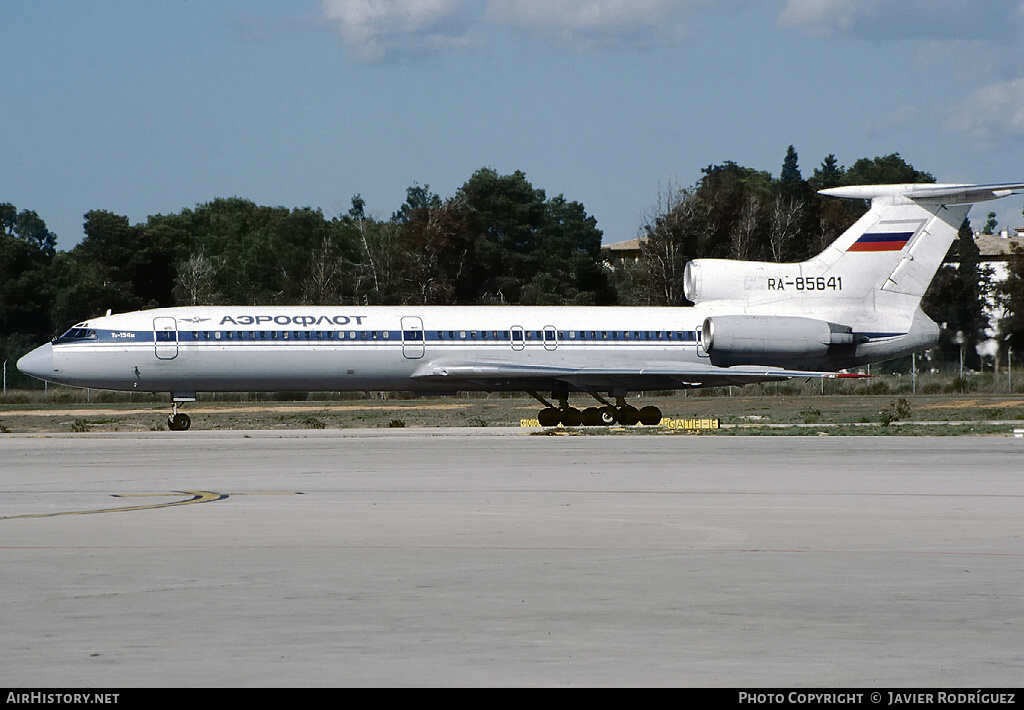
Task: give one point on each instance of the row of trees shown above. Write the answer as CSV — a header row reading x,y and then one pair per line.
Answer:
x,y
497,240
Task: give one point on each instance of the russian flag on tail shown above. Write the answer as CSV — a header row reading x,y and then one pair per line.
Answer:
x,y
881,241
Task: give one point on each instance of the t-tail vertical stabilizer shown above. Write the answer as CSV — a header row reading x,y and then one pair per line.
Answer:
x,y
866,287
890,255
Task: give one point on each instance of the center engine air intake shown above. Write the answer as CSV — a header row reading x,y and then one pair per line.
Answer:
x,y
768,340
722,280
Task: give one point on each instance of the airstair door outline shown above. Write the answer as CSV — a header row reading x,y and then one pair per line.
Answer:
x,y
701,352
165,338
550,337
412,337
518,337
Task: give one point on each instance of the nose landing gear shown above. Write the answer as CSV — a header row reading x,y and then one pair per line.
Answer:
x,y
179,421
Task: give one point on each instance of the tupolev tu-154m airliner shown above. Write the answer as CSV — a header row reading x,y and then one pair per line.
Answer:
x,y
855,303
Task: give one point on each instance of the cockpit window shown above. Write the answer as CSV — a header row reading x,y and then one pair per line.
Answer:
x,y
78,334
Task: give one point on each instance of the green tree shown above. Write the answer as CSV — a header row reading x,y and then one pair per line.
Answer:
x,y
790,174
526,248
679,230
357,211
418,200
1010,296
82,290
27,249
133,260
437,246
722,195
231,250
885,170
990,224
828,175
956,300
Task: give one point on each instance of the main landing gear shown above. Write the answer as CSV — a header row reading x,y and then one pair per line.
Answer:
x,y
179,421
605,415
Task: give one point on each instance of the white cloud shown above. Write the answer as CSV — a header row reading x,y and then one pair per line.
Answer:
x,y
376,28
993,115
991,20
595,23
818,17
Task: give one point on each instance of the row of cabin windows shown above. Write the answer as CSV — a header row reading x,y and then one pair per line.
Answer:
x,y
289,335
418,336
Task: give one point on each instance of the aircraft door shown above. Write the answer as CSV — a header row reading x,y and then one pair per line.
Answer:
x,y
701,352
518,337
550,337
165,338
412,337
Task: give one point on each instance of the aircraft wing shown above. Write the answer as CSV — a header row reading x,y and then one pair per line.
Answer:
x,y
673,375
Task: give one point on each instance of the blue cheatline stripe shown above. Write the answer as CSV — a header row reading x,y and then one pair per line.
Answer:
x,y
388,337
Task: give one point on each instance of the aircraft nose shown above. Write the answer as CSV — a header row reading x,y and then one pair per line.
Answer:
x,y
38,363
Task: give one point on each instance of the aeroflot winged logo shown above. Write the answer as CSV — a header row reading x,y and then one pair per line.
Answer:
x,y
293,320
881,241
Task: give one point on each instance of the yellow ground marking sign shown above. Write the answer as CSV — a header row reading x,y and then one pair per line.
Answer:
x,y
690,423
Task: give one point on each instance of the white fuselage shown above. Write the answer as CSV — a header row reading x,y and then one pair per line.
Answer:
x,y
424,349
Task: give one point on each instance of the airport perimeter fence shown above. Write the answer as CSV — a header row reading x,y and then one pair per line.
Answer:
x,y
938,383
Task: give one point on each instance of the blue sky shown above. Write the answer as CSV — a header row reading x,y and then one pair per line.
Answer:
x,y
143,108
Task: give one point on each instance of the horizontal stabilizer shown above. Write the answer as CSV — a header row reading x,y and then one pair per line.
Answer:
x,y
927,192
